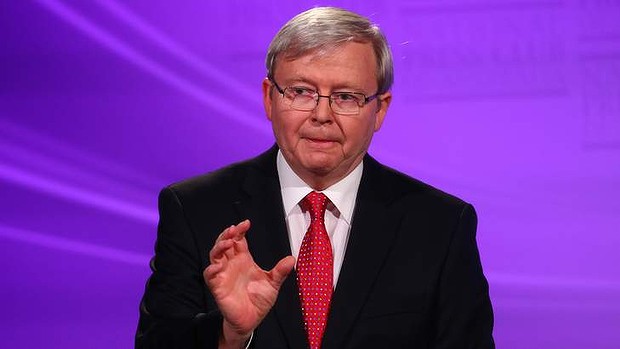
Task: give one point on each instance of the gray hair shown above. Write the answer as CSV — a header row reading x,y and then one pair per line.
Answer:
x,y
322,28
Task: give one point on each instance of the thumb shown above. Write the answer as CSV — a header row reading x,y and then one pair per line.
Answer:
x,y
281,271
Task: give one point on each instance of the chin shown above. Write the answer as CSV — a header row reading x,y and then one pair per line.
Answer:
x,y
320,163
319,168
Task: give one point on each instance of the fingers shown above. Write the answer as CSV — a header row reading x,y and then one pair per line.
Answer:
x,y
211,271
242,228
225,243
281,270
241,244
219,249
235,232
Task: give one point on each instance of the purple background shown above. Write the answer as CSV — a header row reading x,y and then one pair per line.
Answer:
x,y
512,105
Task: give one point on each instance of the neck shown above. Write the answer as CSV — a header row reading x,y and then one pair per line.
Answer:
x,y
320,181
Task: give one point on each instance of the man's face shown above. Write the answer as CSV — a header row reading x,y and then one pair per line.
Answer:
x,y
323,147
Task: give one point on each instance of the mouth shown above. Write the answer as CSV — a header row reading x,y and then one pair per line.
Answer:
x,y
319,142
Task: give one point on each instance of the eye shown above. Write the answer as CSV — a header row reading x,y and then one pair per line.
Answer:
x,y
347,97
301,91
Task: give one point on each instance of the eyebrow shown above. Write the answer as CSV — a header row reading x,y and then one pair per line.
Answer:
x,y
343,87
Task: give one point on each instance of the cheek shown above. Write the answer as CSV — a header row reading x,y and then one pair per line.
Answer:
x,y
359,135
286,127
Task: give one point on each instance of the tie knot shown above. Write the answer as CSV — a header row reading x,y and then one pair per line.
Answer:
x,y
315,203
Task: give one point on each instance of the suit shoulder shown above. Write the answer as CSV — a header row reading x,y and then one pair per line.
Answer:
x,y
227,181
222,181
402,184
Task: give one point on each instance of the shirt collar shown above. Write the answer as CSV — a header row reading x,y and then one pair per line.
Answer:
x,y
342,194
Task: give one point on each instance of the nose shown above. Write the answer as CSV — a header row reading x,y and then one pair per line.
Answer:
x,y
323,112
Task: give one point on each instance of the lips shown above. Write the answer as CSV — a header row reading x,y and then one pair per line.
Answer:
x,y
319,142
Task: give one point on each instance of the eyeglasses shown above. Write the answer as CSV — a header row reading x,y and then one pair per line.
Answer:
x,y
306,99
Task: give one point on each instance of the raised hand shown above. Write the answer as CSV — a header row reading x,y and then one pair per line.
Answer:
x,y
243,291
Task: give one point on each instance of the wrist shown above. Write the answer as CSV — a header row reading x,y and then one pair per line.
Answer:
x,y
232,339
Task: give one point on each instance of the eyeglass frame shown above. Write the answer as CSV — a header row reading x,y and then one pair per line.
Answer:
x,y
365,101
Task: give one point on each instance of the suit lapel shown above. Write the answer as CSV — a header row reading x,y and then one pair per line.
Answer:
x,y
268,240
372,232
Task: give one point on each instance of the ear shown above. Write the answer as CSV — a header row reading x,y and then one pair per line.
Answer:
x,y
267,89
384,102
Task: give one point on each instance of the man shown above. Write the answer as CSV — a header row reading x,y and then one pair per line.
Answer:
x,y
314,243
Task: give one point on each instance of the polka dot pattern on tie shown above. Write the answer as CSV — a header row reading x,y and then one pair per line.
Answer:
x,y
315,269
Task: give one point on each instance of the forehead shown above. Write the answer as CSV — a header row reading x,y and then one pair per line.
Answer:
x,y
351,62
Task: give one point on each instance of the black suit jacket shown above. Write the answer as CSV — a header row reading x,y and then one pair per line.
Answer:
x,y
411,276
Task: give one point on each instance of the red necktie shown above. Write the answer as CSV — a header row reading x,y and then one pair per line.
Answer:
x,y
315,266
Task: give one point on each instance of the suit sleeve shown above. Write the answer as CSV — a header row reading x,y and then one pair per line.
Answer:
x,y
173,311
465,316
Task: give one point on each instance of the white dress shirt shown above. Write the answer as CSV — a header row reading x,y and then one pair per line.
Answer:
x,y
338,214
